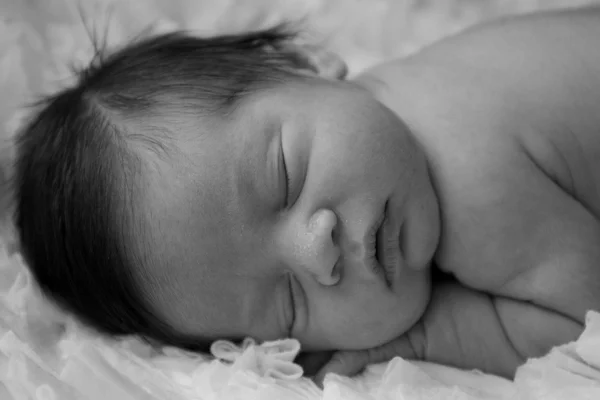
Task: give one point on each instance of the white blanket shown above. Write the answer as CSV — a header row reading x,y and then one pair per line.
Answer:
x,y
46,355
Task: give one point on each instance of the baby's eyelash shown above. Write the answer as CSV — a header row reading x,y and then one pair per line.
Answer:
x,y
287,175
293,304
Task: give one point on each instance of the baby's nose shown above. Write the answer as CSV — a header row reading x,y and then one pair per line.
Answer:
x,y
317,250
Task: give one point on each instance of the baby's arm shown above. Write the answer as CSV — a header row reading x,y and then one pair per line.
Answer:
x,y
467,329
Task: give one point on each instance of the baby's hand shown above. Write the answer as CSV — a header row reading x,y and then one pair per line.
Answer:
x,y
460,328
350,363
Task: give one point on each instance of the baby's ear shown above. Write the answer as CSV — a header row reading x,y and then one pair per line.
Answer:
x,y
328,64
323,62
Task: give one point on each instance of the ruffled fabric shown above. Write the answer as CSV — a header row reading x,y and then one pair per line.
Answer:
x,y
271,360
45,354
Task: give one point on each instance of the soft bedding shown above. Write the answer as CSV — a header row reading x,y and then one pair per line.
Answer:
x,y
44,354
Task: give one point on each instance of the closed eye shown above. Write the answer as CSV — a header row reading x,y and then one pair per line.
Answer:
x,y
286,174
292,303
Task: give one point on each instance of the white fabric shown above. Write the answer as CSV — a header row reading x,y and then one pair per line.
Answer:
x,y
46,355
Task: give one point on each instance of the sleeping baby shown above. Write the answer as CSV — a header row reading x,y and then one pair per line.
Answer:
x,y
189,189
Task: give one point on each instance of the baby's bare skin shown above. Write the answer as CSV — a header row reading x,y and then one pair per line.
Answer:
x,y
509,117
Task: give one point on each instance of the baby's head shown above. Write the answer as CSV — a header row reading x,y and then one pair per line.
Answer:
x,y
191,189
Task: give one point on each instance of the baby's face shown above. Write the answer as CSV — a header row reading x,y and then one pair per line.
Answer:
x,y
307,212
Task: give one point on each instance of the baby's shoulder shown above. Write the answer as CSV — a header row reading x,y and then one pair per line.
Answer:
x,y
514,230
477,128
513,198
517,172
561,154
522,224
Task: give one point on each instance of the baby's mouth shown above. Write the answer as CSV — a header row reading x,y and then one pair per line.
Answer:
x,y
387,248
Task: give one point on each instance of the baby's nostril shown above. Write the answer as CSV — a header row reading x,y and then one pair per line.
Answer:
x,y
334,234
336,272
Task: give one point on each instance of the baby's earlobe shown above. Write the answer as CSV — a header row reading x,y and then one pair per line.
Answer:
x,y
323,62
328,64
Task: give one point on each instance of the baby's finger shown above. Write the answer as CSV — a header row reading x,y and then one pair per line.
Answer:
x,y
411,345
346,363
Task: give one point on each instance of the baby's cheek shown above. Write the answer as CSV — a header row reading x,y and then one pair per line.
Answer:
x,y
421,231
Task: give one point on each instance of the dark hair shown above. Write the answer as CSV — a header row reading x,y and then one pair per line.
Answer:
x,y
79,165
